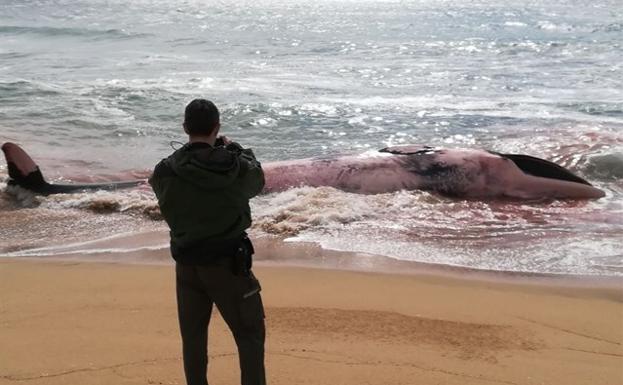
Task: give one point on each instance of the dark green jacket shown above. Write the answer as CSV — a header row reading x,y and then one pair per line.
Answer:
x,y
203,193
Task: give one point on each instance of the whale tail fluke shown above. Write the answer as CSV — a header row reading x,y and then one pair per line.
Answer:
x,y
23,171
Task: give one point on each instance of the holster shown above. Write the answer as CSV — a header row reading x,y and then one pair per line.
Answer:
x,y
243,259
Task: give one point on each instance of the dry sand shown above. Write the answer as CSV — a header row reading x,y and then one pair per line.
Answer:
x,y
105,323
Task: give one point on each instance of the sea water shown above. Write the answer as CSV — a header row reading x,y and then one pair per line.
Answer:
x,y
97,88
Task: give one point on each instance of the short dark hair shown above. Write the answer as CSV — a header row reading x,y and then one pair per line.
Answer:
x,y
201,117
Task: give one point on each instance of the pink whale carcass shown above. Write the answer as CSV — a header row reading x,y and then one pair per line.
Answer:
x,y
460,173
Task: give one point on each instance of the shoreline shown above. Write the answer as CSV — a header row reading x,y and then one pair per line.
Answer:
x,y
363,262
275,252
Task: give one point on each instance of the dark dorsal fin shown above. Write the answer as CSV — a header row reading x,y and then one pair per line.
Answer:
x,y
543,168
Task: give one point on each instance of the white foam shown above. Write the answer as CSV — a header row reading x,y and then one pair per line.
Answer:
x,y
515,24
50,252
551,26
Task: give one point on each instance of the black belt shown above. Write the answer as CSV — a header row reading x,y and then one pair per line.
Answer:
x,y
211,252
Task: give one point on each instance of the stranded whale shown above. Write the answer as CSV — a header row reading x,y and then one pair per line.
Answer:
x,y
461,173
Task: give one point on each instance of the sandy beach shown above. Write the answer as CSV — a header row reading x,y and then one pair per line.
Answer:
x,y
108,323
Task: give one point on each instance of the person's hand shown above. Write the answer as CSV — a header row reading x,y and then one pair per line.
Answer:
x,y
225,140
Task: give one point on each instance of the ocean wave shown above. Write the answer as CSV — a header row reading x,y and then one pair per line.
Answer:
x,y
118,244
605,166
609,28
408,215
610,109
131,201
14,55
540,255
10,90
47,31
557,27
303,208
552,237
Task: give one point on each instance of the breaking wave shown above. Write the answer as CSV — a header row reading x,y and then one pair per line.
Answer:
x,y
608,167
45,31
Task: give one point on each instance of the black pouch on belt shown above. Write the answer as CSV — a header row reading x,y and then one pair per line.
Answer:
x,y
243,260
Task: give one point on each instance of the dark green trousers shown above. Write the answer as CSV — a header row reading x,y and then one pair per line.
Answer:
x,y
239,302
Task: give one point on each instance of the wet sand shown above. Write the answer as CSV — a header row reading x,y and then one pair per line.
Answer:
x,y
78,322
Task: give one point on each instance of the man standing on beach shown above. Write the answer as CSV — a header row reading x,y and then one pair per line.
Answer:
x,y
203,191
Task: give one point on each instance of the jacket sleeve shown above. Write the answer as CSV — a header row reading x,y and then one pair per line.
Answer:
x,y
251,177
154,179
162,170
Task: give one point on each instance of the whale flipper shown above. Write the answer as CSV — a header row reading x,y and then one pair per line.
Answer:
x,y
543,168
24,172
